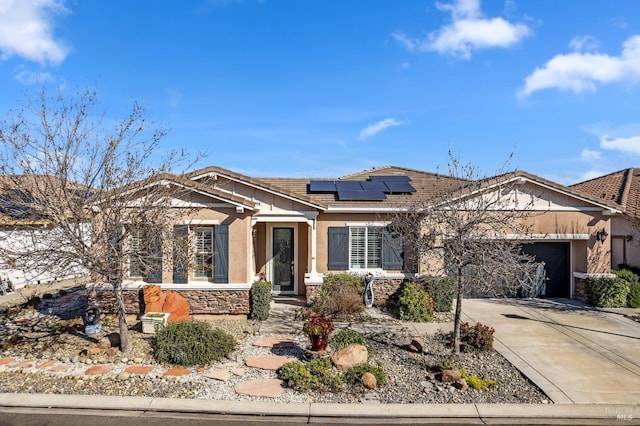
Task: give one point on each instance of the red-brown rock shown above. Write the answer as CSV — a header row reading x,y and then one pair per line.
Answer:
x,y
352,355
369,381
46,364
153,298
176,305
98,369
451,376
140,370
274,342
176,371
6,360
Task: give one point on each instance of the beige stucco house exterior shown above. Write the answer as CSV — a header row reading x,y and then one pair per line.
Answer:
x,y
292,231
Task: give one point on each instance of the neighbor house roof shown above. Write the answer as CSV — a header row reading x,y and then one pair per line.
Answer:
x,y
621,188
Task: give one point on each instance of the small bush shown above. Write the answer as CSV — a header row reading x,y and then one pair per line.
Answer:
x,y
346,337
476,382
476,338
354,374
316,375
260,300
340,295
607,292
415,304
633,298
190,343
445,364
441,289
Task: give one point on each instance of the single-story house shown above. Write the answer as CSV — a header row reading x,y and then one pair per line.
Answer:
x,y
622,189
292,231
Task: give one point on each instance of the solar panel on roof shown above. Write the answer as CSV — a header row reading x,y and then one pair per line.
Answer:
x,y
361,195
369,185
397,187
372,189
348,185
322,186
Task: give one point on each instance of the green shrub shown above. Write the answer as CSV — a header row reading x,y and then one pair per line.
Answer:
x,y
415,304
633,298
191,343
445,364
607,292
346,337
441,289
476,338
340,295
476,382
260,300
354,374
316,375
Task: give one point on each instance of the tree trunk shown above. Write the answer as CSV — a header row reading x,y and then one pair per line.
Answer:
x,y
458,316
125,342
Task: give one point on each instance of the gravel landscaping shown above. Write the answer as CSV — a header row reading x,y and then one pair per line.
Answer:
x,y
30,336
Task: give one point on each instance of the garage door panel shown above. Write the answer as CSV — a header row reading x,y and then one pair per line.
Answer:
x,y
556,258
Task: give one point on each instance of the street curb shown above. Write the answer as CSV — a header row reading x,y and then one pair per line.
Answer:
x,y
579,412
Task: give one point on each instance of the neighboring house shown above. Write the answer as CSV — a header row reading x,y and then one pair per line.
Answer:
x,y
25,223
292,231
622,189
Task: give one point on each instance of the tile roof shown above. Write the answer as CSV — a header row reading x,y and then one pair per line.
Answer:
x,y
621,188
428,187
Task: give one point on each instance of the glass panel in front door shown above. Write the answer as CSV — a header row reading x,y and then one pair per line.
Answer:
x,y
283,258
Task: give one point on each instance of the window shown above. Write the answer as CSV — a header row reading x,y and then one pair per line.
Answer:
x,y
365,247
203,252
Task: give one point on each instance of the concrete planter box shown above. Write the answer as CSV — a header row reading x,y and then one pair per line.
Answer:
x,y
150,319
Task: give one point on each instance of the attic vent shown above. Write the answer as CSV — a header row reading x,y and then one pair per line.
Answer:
x,y
375,188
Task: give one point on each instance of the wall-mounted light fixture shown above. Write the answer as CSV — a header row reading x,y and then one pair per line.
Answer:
x,y
602,235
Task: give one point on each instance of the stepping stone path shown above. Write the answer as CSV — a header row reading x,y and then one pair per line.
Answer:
x,y
267,362
98,369
176,371
266,388
4,361
274,342
46,364
134,369
222,375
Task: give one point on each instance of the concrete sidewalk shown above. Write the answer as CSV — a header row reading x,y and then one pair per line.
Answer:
x,y
575,353
314,413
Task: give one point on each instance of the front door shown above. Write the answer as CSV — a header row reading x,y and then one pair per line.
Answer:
x,y
283,260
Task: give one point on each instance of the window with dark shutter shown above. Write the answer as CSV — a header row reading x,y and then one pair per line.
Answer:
x,y
221,254
180,254
392,258
338,256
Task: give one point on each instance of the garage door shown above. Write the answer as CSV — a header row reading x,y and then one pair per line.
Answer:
x,y
556,259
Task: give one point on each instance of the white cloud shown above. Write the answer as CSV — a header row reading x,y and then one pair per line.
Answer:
x,y
584,43
579,72
32,77
26,31
629,145
468,31
590,155
376,128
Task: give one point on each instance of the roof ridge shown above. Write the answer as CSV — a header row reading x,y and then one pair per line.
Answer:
x,y
627,185
599,177
391,166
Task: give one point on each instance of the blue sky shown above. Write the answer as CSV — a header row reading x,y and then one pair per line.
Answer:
x,y
327,88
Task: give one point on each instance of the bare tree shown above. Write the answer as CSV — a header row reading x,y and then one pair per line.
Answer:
x,y
472,231
80,197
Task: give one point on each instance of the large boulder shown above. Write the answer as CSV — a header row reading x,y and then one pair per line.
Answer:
x,y
176,305
153,298
350,356
451,376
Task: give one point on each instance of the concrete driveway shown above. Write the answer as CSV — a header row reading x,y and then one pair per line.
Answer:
x,y
575,353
